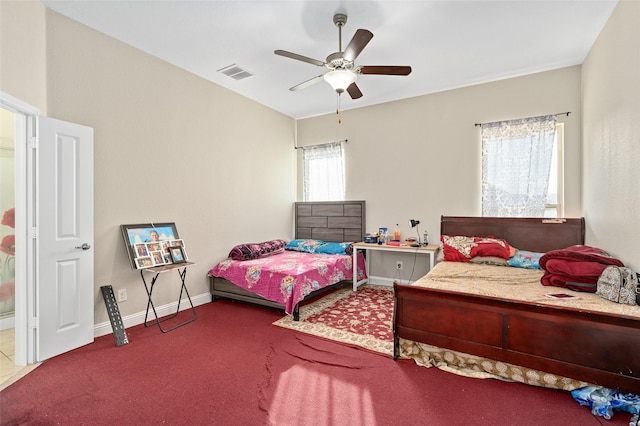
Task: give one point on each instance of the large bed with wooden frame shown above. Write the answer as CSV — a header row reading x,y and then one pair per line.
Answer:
x,y
331,221
579,340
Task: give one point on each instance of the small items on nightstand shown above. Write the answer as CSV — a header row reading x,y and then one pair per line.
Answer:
x,y
414,224
383,236
371,239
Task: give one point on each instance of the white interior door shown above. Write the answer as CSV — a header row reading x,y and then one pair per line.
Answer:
x,y
64,235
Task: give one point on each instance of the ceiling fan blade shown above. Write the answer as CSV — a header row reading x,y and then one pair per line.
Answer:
x,y
360,39
307,83
385,69
299,57
354,91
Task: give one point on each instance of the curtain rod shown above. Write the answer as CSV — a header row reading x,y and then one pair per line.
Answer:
x,y
320,144
558,113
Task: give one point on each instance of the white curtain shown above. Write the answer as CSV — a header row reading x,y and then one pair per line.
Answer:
x,y
516,162
324,172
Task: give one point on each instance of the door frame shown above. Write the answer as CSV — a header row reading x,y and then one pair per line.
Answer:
x,y
25,281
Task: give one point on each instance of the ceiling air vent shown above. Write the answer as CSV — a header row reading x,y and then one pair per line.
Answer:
x,y
235,72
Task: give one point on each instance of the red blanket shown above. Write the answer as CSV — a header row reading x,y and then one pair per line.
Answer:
x,y
577,267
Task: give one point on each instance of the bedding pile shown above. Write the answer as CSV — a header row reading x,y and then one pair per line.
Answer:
x,y
256,250
458,248
577,267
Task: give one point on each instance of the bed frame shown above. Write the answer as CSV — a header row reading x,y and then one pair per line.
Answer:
x,y
593,347
331,221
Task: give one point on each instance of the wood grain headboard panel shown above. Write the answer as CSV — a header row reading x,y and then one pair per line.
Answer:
x,y
532,234
331,221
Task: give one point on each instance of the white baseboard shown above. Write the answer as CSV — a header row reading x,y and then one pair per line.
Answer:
x,y
7,322
386,281
105,328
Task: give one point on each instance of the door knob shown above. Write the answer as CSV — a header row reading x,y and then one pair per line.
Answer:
x,y
84,246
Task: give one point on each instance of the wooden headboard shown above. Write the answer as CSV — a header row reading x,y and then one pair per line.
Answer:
x,y
331,221
532,234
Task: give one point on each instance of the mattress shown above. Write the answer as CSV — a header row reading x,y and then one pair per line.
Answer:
x,y
519,284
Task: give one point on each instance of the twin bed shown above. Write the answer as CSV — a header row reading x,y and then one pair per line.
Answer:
x,y
287,278
506,327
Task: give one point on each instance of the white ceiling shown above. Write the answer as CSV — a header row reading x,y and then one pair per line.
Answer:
x,y
449,44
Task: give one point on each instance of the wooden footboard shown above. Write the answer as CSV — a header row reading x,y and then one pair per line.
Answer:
x,y
593,347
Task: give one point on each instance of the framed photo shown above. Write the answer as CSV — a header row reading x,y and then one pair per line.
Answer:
x,y
180,243
141,250
177,254
137,238
144,262
158,258
157,246
177,243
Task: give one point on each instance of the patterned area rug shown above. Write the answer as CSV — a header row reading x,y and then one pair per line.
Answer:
x,y
363,318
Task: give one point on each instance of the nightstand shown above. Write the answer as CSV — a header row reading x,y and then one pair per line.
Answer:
x,y
430,250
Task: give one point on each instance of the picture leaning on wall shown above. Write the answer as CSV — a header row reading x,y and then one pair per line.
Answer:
x,y
153,244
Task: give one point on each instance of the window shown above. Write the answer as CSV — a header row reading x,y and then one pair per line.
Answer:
x,y
555,194
323,172
520,172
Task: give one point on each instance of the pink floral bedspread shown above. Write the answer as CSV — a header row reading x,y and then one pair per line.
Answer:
x,y
290,276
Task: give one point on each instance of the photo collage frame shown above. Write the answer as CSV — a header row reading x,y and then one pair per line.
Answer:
x,y
150,245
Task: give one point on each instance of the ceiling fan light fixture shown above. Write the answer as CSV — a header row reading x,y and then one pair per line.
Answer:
x,y
340,79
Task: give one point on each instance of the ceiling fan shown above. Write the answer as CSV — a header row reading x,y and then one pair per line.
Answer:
x,y
343,71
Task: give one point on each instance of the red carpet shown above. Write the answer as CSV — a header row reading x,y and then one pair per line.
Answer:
x,y
232,367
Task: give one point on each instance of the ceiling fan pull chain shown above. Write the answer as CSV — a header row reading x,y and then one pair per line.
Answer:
x,y
338,109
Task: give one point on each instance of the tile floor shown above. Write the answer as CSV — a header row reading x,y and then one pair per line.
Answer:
x,y
10,373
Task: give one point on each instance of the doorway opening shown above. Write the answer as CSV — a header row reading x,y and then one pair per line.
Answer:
x,y
17,125
7,244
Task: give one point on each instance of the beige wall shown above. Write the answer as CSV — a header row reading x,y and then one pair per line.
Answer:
x,y
420,158
23,45
611,110
169,146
